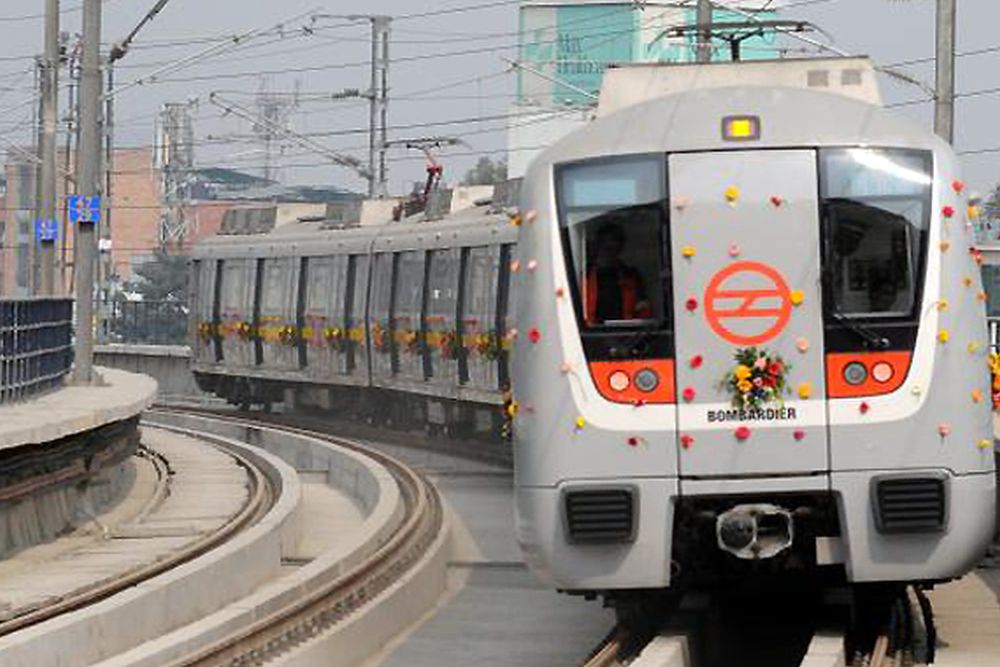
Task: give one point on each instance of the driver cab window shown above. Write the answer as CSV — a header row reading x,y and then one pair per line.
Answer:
x,y
613,215
876,209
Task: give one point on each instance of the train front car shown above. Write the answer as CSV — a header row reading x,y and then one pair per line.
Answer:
x,y
753,341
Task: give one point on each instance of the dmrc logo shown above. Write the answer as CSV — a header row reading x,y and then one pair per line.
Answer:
x,y
748,303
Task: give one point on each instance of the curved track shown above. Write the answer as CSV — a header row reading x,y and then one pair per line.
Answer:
x,y
320,609
258,502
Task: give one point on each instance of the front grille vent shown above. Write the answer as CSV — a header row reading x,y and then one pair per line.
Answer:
x,y
911,504
600,516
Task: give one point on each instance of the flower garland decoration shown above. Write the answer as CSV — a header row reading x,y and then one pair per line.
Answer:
x,y
759,378
489,346
994,363
244,330
380,338
450,345
288,335
206,331
334,337
411,341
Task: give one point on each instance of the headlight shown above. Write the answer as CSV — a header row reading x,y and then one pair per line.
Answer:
x,y
647,380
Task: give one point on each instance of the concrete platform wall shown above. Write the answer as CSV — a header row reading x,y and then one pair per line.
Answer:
x,y
169,365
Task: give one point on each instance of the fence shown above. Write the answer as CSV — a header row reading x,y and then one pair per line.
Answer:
x,y
142,322
35,345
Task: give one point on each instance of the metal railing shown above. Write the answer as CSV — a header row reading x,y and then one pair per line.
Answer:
x,y
35,345
142,322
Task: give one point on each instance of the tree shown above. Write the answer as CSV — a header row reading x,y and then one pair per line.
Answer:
x,y
486,172
164,278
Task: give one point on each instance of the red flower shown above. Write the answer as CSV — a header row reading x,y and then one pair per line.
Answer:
x,y
776,368
742,433
769,381
688,394
691,304
957,185
687,441
864,407
696,361
948,211
799,434
534,335
633,442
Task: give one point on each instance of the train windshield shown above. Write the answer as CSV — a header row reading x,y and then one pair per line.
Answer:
x,y
613,214
876,213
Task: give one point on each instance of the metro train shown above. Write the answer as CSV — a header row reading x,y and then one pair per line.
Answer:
x,y
756,338
743,322
402,324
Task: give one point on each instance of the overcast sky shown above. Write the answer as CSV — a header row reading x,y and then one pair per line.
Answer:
x,y
335,58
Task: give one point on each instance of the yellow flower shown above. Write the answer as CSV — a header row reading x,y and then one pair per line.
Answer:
x,y
805,390
744,386
742,372
944,336
797,296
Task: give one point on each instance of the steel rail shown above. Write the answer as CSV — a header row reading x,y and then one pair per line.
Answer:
x,y
323,607
258,503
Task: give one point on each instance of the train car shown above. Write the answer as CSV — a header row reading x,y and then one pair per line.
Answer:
x,y
755,339
404,323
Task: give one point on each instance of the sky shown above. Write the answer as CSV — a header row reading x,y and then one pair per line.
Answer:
x,y
447,76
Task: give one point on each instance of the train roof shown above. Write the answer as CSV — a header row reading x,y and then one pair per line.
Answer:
x,y
479,225
692,121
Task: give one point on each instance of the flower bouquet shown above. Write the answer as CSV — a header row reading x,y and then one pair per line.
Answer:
x,y
757,379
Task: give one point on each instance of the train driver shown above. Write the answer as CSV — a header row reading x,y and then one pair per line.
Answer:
x,y
614,290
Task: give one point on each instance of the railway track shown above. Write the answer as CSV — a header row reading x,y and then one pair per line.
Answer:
x,y
322,608
258,502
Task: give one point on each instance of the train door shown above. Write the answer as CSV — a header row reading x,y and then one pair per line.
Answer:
x,y
325,332
443,338
357,347
378,314
407,314
479,314
278,303
745,239
204,325
236,316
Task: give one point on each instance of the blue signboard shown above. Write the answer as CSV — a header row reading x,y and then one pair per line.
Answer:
x,y
85,210
46,230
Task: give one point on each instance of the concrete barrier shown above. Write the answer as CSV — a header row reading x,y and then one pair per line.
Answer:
x,y
170,365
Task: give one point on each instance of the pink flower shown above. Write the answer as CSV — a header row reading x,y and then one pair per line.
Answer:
x,y
760,364
688,394
757,382
742,433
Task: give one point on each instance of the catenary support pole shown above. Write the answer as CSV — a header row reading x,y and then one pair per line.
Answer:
x,y
47,206
88,186
944,103
704,19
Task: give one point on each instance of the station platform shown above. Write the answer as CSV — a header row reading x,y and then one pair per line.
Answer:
x,y
72,410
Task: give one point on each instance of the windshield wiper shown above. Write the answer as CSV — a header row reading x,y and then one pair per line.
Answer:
x,y
872,340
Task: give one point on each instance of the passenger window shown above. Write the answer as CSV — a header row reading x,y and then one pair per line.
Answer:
x,y
614,214
876,213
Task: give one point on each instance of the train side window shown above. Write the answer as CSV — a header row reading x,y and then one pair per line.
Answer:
x,y
614,217
876,206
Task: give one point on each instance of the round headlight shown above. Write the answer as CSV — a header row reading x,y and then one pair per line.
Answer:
x,y
882,372
647,380
855,373
619,381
